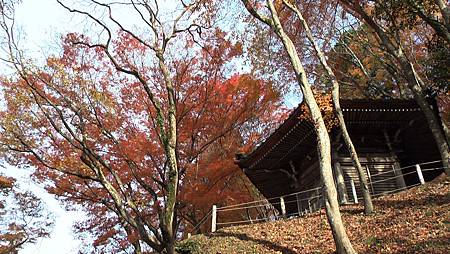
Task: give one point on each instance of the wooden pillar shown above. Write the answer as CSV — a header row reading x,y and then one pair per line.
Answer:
x,y
316,203
355,196
338,174
249,216
399,175
396,166
341,188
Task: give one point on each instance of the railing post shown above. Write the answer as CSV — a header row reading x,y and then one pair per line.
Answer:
x,y
355,197
283,207
213,219
419,173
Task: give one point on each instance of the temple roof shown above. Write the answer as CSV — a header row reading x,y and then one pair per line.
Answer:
x,y
295,138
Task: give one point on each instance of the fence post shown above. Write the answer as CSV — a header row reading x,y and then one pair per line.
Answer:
x,y
355,197
213,219
419,173
283,207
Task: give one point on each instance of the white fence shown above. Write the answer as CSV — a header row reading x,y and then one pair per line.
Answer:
x,y
275,208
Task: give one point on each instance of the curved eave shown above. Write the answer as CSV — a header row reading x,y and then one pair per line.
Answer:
x,y
294,133
271,142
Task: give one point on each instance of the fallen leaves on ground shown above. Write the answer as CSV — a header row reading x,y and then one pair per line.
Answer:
x,y
412,221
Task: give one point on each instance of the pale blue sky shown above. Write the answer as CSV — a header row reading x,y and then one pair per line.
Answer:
x,y
61,239
42,21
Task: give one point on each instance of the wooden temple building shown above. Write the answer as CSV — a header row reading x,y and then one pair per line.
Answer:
x,y
389,136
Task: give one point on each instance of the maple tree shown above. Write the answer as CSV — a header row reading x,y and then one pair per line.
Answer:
x,y
214,178
116,128
362,69
236,114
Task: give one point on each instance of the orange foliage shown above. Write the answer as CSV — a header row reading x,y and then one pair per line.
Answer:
x,y
325,103
78,110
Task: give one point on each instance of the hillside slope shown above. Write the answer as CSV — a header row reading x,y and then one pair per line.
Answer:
x,y
412,221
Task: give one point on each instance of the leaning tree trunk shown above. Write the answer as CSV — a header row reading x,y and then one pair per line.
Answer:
x,y
414,82
343,244
368,206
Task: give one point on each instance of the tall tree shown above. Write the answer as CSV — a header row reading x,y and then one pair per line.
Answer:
x,y
388,29
436,13
363,70
368,206
71,125
272,19
95,122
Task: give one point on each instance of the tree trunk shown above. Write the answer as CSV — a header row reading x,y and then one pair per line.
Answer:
x,y
341,239
172,175
446,132
413,79
414,82
137,248
368,206
342,190
170,247
444,7
442,28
